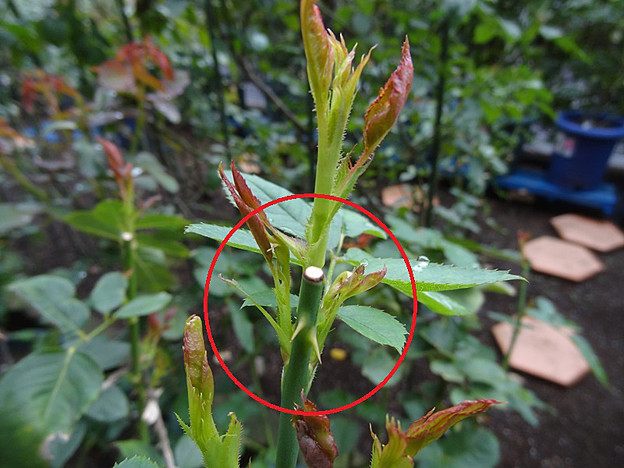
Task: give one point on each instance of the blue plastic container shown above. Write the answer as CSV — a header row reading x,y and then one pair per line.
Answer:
x,y
583,148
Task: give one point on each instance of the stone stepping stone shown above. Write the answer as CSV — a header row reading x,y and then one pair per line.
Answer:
x,y
603,236
543,351
396,196
563,259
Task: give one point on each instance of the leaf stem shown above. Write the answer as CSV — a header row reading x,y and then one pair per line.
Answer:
x,y
296,371
520,312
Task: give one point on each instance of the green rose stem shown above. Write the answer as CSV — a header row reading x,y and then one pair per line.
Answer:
x,y
128,239
521,309
296,372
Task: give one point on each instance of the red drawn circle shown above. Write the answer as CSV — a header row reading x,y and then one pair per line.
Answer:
x,y
407,343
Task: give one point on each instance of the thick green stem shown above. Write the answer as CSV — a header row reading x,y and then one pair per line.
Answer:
x,y
520,312
296,372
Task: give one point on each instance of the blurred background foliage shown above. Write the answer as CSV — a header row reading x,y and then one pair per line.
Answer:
x,y
484,71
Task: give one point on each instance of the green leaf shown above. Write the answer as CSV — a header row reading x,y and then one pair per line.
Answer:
x,y
107,353
136,462
160,221
266,298
55,389
292,216
243,328
465,447
53,297
165,241
136,449
14,215
374,324
151,269
152,166
433,277
187,454
378,365
109,292
111,405
144,305
592,359
347,433
447,370
105,220
241,239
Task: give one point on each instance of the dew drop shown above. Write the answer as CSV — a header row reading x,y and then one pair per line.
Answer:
x,y
364,262
421,263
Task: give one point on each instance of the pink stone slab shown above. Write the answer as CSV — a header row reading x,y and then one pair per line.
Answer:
x,y
397,195
543,351
603,236
560,258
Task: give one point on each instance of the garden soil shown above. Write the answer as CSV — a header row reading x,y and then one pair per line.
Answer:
x,y
586,426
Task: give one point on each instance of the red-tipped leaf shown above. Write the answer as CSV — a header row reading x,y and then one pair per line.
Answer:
x,y
318,50
316,441
384,111
434,424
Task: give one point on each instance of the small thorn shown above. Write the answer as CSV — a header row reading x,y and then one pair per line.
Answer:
x,y
298,328
315,346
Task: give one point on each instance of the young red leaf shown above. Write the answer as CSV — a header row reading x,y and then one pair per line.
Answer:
x,y
316,441
255,223
349,284
246,194
198,372
434,424
384,111
318,50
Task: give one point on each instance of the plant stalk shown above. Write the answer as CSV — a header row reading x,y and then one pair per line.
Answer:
x,y
437,129
520,312
296,371
128,254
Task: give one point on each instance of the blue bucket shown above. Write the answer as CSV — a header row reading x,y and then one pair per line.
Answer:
x,y
584,144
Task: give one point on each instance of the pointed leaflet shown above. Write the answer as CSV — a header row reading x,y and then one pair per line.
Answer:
x,y
315,439
318,50
346,285
121,169
403,446
255,223
379,119
384,111
195,360
217,450
433,425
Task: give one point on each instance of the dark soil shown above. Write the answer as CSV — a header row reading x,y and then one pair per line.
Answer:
x,y
587,429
